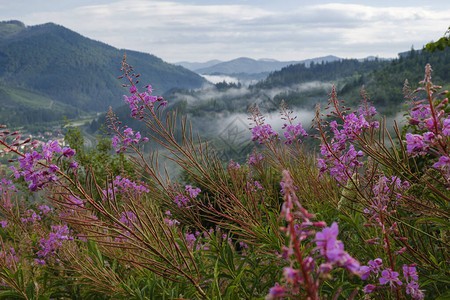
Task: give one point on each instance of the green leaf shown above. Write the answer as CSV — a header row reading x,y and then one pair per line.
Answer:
x,y
30,290
11,295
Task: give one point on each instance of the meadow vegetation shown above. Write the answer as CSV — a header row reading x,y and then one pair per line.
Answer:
x,y
366,217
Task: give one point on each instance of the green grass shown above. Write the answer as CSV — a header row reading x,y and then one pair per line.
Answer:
x,y
16,96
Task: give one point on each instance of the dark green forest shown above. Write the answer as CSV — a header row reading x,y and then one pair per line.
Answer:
x,y
382,79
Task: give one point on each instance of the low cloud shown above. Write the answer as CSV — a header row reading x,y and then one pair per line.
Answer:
x,y
231,128
220,78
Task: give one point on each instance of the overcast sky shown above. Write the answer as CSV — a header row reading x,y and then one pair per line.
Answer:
x,y
201,30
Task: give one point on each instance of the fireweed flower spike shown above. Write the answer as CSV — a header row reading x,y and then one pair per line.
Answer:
x,y
306,277
190,193
38,168
339,156
263,133
138,102
430,121
122,141
124,186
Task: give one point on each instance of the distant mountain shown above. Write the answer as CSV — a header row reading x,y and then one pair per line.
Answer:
x,y
371,57
48,70
196,65
247,65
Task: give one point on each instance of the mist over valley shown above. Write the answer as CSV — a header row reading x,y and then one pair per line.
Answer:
x,y
70,76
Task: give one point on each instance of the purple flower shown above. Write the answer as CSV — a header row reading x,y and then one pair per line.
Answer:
x,y
4,223
68,152
367,111
420,112
286,252
243,245
325,268
429,137
333,249
415,144
375,265
263,133
190,239
391,277
291,275
7,184
49,245
74,201
34,171
292,132
128,132
124,185
443,163
348,262
364,271
133,90
181,200
170,222
276,292
129,138
50,148
31,218
412,288
369,288
192,192
234,165
258,185
128,218
253,160
446,129
45,209
410,272
326,239
73,165
115,141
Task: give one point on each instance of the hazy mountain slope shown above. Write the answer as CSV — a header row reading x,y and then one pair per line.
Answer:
x,y
198,65
66,67
252,66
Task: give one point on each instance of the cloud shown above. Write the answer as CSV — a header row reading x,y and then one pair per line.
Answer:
x,y
220,78
176,31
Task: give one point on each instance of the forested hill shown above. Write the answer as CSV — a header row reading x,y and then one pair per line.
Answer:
x,y
48,68
385,85
383,80
326,71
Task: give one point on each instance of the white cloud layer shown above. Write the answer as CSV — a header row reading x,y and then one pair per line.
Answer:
x,y
293,30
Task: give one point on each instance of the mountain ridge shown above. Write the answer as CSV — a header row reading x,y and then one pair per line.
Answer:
x,y
65,67
246,65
